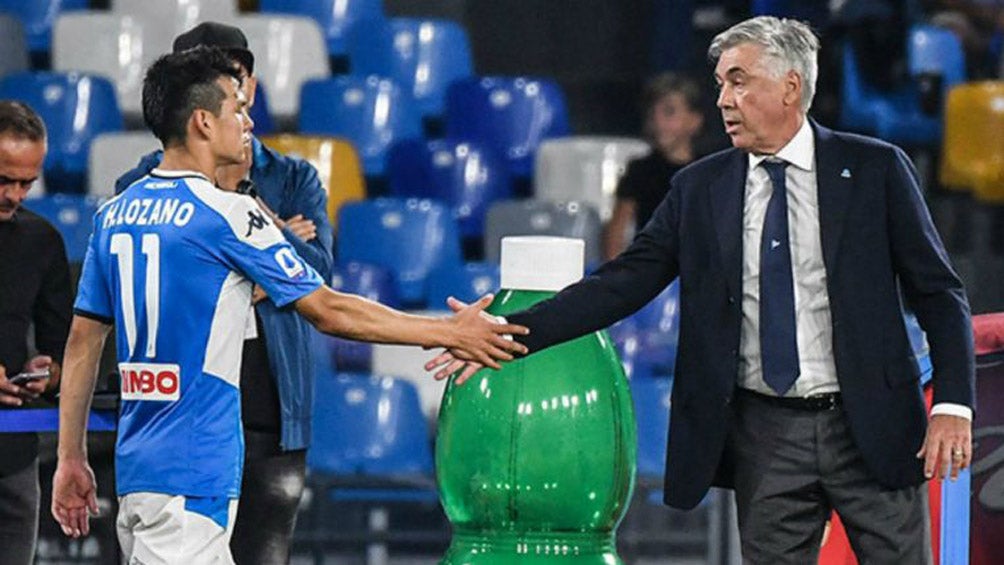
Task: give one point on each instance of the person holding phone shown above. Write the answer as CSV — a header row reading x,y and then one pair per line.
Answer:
x,y
34,290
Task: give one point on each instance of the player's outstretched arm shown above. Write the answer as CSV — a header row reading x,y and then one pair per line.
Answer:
x,y
468,333
73,486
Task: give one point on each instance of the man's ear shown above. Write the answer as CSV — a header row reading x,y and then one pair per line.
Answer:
x,y
793,88
202,123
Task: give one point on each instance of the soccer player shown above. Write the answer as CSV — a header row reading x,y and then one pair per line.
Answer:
x,y
171,264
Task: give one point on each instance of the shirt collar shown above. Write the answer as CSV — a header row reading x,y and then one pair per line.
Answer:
x,y
800,151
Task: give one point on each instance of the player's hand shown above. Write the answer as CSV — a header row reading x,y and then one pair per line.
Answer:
x,y
301,227
74,496
478,336
449,365
948,446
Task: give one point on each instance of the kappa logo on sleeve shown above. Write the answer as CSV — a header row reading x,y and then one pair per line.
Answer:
x,y
256,221
150,381
289,263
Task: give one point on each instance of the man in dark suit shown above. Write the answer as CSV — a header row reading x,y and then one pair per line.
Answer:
x,y
795,382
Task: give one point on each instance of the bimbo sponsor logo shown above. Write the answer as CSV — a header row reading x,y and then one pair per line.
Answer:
x,y
150,381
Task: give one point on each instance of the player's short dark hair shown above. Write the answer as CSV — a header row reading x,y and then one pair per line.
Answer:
x,y
19,120
177,84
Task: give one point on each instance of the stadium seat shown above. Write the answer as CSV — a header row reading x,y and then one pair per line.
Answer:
x,y
584,168
371,112
514,115
897,116
72,215
369,281
288,51
75,108
39,16
112,45
466,282
468,176
371,447
542,217
652,404
658,333
422,56
409,237
337,164
972,155
334,17
13,46
113,154
167,19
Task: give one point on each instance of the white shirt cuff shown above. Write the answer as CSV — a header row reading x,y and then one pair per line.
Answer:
x,y
952,409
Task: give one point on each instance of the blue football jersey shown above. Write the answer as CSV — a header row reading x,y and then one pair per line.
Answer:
x,y
171,263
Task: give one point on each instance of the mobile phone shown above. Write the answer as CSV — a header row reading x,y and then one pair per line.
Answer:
x,y
22,379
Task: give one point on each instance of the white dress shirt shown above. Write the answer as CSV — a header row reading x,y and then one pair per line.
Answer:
x,y
814,330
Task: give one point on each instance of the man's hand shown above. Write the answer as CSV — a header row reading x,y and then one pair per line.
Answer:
x,y
301,227
948,447
479,337
43,363
258,294
74,496
450,365
16,395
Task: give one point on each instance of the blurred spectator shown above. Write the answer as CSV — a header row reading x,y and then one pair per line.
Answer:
x,y
673,118
34,289
980,26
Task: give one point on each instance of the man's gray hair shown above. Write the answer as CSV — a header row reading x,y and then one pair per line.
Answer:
x,y
788,45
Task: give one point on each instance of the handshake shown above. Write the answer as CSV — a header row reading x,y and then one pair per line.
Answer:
x,y
483,340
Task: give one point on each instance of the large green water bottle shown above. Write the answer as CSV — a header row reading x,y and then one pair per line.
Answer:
x,y
536,462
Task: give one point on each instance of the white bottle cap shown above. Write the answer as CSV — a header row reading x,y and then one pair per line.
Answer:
x,y
541,262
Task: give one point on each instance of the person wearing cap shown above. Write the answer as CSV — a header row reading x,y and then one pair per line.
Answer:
x,y
277,365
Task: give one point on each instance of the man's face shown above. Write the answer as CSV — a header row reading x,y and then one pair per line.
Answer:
x,y
233,125
756,107
20,165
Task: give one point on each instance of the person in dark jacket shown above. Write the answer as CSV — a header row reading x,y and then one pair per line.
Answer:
x,y
277,364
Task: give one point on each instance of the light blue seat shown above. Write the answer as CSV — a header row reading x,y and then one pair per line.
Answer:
x,y
409,237
76,108
38,18
369,281
466,282
468,176
335,17
371,112
422,55
897,116
512,114
72,215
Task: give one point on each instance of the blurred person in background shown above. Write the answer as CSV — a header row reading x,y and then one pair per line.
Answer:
x,y
35,290
277,366
673,119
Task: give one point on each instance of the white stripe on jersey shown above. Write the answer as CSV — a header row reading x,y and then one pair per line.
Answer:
x,y
225,345
248,222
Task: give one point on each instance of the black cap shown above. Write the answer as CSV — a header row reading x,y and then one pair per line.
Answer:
x,y
213,34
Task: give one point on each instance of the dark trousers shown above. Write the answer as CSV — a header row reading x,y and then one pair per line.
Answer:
x,y
793,467
270,494
19,494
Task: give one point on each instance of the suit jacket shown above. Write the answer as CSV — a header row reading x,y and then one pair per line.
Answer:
x,y
881,253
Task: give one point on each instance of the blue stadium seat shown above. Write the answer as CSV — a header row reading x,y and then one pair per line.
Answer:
x,y
38,17
466,282
651,407
371,112
512,114
468,176
409,237
422,56
372,282
76,108
335,17
262,119
72,215
897,116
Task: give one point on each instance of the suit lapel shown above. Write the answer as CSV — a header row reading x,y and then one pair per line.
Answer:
x,y
726,200
834,181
